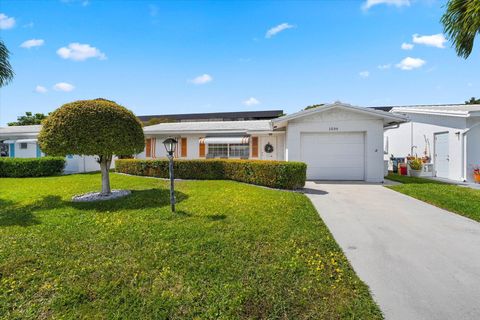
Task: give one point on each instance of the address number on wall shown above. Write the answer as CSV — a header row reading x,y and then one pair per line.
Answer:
x,y
332,128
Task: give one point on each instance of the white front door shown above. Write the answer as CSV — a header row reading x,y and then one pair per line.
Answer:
x,y
268,147
334,156
442,157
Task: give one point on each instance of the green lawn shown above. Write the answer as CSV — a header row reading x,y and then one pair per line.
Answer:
x,y
232,251
462,200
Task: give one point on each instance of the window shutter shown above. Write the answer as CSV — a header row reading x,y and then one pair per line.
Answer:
x,y
254,147
201,150
184,147
148,148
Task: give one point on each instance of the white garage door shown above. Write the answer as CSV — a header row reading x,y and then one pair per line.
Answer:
x,y
334,156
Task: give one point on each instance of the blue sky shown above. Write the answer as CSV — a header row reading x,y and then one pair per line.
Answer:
x,y
179,57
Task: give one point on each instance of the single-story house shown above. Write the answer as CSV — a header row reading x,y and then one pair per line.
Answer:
x,y
21,142
447,135
337,141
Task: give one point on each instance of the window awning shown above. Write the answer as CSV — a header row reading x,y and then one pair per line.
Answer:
x,y
21,141
225,140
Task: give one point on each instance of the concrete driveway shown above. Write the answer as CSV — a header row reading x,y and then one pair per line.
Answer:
x,y
420,262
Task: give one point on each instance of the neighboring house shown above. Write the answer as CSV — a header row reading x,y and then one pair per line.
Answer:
x,y
21,142
448,134
337,141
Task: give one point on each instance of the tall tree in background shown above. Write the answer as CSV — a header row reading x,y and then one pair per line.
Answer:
x,y
473,100
154,121
6,71
461,23
28,119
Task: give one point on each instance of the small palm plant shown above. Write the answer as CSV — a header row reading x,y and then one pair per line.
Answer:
x,y
416,166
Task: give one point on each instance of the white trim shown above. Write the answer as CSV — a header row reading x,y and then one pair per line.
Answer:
x,y
385,115
439,112
27,141
225,140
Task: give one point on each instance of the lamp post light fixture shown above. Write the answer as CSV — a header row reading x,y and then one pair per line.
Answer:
x,y
170,145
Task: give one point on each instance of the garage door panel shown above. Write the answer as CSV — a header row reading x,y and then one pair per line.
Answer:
x,y
343,174
334,156
334,138
312,152
334,161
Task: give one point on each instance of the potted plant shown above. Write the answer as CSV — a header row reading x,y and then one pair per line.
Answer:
x,y
415,166
476,174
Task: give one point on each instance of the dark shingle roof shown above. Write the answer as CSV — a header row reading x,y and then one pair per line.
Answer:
x,y
218,116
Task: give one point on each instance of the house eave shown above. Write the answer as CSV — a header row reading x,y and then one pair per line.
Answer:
x,y
394,118
459,114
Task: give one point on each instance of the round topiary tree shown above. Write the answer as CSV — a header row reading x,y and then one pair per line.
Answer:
x,y
92,127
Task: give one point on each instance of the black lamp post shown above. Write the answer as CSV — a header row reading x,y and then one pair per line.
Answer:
x,y
170,145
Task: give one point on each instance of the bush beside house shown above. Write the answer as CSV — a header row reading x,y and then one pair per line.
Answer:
x,y
274,174
31,167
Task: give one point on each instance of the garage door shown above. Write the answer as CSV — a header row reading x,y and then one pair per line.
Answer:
x,y
334,156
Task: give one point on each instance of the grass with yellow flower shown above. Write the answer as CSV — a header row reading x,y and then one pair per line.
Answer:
x,y
231,251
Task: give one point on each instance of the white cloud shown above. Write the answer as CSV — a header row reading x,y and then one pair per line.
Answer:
x,y
32,43
204,78
407,46
364,74
251,102
40,89
281,27
80,52
28,25
384,66
410,63
6,22
398,3
435,40
63,86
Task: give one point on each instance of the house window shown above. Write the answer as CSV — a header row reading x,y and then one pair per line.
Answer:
x,y
238,151
23,146
225,150
218,150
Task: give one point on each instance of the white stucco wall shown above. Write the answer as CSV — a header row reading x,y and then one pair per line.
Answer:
x,y
30,152
413,134
78,164
472,147
341,120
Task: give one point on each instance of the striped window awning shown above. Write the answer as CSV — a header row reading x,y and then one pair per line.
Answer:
x,y
225,140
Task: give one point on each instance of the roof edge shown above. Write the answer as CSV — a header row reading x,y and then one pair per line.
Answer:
x,y
303,113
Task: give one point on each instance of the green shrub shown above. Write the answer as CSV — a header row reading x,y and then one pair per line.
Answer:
x,y
31,167
274,174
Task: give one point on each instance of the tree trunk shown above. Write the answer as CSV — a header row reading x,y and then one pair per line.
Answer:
x,y
105,162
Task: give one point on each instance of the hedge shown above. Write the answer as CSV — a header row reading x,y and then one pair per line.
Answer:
x,y
31,167
274,174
